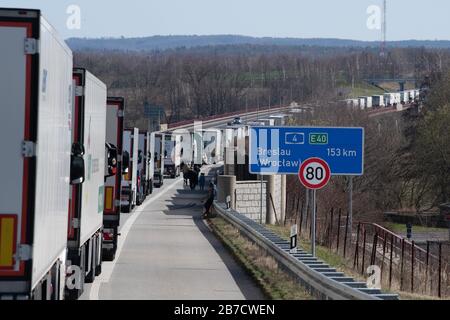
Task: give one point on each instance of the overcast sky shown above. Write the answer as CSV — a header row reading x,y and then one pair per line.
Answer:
x,y
347,19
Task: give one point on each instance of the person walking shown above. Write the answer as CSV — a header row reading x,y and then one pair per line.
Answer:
x,y
202,181
186,174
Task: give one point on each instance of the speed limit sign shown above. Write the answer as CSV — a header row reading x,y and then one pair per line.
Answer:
x,y
314,173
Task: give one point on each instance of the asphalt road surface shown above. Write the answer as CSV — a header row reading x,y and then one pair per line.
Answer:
x,y
166,251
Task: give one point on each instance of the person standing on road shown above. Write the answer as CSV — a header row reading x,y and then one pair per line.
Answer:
x,y
202,181
211,197
186,174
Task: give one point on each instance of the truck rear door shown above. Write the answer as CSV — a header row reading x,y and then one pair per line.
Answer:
x,y
18,123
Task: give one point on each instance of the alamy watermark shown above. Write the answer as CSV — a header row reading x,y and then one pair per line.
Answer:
x,y
375,17
374,279
73,21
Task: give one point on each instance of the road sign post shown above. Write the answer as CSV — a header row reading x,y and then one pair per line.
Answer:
x,y
314,174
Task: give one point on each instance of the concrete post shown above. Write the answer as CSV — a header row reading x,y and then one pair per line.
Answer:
x,y
270,190
283,200
226,186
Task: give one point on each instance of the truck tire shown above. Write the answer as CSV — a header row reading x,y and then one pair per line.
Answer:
x,y
74,294
109,255
150,187
99,254
90,277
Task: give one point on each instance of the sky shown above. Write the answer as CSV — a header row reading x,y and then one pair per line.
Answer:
x,y
345,19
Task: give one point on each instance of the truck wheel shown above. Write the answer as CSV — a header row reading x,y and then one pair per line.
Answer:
x,y
90,277
98,270
150,188
109,255
130,201
99,254
74,294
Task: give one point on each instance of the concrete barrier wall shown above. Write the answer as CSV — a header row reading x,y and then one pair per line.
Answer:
x,y
248,199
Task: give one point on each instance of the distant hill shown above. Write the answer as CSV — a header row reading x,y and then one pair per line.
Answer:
x,y
173,42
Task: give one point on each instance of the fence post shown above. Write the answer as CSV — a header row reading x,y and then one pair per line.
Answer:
x,y
390,261
374,249
401,264
363,252
440,270
384,254
330,230
356,258
301,219
412,266
427,266
338,231
346,233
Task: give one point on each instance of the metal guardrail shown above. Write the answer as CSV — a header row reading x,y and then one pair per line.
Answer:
x,y
226,116
316,276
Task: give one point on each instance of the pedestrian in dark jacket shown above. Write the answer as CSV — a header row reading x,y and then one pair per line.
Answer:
x,y
202,181
210,200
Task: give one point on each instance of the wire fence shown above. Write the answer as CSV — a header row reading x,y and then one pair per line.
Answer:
x,y
405,266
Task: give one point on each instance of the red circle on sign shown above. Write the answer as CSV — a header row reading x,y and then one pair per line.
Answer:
x,y
320,178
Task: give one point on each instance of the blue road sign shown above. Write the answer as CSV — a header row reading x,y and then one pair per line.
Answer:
x,y
281,150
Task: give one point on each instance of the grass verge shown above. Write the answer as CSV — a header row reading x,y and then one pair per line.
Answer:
x,y
401,228
275,283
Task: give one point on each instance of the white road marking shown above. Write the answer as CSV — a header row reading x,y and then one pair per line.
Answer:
x,y
108,268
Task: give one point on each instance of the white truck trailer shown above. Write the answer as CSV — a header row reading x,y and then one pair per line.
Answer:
x,y
113,181
212,148
172,155
145,166
35,89
366,102
130,163
150,166
378,101
85,230
158,158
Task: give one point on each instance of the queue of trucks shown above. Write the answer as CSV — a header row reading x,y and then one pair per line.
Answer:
x,y
389,99
70,166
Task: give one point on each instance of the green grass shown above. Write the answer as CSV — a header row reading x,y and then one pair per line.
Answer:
x,y
401,228
363,89
275,283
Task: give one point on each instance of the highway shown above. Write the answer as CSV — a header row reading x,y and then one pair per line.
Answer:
x,y
168,252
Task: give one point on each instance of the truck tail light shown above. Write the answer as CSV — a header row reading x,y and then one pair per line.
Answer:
x,y
108,235
8,227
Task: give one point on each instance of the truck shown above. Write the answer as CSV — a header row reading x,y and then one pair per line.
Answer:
x,y
85,232
172,155
188,148
35,138
113,180
366,102
378,101
145,166
128,194
150,166
158,159
279,119
212,149
389,99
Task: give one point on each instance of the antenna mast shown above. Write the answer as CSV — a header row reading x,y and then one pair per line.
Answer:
x,y
384,29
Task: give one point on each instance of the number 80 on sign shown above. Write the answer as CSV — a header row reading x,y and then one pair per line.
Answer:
x,y
314,173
